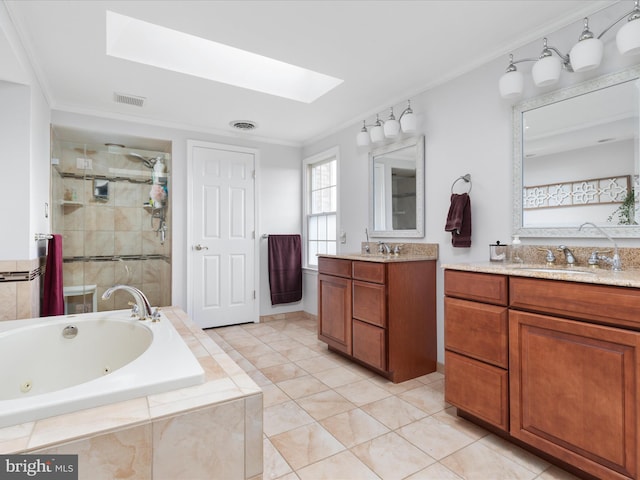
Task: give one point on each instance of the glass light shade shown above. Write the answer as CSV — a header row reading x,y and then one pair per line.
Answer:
x,y
511,84
377,133
546,71
586,54
408,123
362,140
628,38
391,128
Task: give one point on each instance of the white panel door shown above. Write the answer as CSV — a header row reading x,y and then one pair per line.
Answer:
x,y
222,276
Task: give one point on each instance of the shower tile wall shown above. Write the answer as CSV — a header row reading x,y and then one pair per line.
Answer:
x,y
110,241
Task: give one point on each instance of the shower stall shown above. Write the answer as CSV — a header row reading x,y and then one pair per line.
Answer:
x,y
112,206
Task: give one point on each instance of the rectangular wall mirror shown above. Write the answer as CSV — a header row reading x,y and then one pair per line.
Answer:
x,y
576,159
396,189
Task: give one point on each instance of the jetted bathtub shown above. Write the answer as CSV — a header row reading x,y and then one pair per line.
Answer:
x,y
55,365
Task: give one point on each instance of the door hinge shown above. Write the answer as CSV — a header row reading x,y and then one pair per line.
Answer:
x,y
254,294
253,235
253,174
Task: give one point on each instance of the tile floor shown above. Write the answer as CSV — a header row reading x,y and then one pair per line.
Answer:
x,y
328,418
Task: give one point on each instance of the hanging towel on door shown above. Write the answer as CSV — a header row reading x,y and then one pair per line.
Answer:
x,y
285,268
459,220
53,299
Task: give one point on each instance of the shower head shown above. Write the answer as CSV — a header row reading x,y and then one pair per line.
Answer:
x,y
148,162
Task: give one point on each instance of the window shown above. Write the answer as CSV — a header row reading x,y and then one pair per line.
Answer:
x,y
321,205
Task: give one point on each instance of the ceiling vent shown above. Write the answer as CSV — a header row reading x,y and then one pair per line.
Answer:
x,y
244,125
128,99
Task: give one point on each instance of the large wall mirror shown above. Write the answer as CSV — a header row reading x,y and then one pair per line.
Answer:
x,y
396,186
576,159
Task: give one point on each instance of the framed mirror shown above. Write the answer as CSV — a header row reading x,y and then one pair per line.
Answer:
x,y
576,159
396,189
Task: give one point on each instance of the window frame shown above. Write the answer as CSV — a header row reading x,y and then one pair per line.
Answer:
x,y
307,164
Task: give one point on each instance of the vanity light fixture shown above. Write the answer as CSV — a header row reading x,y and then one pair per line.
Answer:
x,y
585,55
387,129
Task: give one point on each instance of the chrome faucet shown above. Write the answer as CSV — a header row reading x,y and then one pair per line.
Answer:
x,y
568,255
384,248
615,262
142,308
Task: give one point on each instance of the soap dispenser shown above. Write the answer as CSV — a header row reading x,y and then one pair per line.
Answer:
x,y
515,249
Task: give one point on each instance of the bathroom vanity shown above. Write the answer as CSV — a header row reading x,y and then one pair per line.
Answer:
x,y
550,359
380,311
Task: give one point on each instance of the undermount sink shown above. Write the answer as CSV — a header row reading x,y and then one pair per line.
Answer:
x,y
557,270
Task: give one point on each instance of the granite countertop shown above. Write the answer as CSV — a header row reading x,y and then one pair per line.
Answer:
x,y
380,258
602,276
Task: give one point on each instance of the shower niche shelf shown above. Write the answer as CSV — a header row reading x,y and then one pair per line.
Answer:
x,y
71,203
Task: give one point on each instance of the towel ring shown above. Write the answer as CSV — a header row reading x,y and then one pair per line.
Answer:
x,y
466,178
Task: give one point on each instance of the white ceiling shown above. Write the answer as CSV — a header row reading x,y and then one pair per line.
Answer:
x,y
385,51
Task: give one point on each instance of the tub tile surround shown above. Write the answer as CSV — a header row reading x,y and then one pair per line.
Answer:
x,y
212,430
21,298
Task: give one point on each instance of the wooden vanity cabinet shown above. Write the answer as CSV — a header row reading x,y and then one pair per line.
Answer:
x,y
572,376
387,321
476,345
334,303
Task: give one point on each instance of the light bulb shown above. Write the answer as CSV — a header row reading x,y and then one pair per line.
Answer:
x,y
628,38
511,84
586,54
546,71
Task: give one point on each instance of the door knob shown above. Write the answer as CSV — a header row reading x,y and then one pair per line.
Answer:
x,y
200,247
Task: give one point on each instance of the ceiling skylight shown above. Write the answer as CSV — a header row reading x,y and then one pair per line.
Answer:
x,y
143,42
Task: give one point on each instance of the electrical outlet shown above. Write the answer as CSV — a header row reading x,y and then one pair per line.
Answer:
x,y
84,163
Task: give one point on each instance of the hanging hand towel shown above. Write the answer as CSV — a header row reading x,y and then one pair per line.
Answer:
x,y
53,298
285,268
459,220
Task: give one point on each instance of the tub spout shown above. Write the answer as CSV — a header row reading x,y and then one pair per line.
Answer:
x,y
142,307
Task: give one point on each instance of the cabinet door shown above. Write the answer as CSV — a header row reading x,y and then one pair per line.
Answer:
x,y
477,388
369,303
334,312
369,344
574,392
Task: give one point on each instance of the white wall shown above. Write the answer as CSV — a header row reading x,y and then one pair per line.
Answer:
x,y
278,189
24,148
467,128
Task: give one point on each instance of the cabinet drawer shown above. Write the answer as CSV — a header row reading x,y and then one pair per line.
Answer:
x,y
600,303
334,266
369,303
369,271
477,330
483,287
477,388
369,344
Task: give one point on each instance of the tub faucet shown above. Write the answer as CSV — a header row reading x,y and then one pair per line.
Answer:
x,y
615,262
142,308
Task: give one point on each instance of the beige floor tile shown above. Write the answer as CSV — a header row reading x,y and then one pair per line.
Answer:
x,y
268,360
284,416
392,457
254,350
272,395
325,404
479,462
450,417
302,386
395,388
285,371
354,427
431,377
274,465
425,399
336,377
300,353
515,453
362,392
555,473
305,445
436,471
344,465
436,438
317,364
394,412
